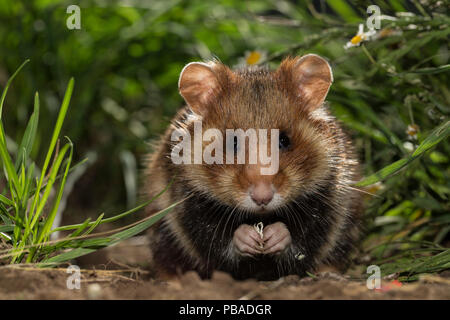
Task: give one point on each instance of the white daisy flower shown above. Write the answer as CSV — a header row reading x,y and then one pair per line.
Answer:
x,y
360,37
253,57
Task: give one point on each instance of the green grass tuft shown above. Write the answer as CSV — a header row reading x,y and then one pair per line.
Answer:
x,y
28,209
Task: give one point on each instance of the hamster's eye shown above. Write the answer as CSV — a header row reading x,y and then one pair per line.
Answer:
x,y
284,141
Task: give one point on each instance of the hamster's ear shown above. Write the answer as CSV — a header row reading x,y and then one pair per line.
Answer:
x,y
198,85
311,77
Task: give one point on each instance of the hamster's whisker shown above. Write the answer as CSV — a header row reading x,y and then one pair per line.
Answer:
x,y
214,235
362,191
297,217
226,222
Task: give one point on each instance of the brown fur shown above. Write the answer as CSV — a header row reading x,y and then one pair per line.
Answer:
x,y
314,175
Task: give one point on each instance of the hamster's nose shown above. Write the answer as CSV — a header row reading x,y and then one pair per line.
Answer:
x,y
262,193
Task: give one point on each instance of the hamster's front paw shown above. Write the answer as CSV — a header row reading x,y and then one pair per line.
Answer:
x,y
276,238
247,241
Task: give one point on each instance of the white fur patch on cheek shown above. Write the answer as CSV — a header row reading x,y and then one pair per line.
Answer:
x,y
248,203
276,202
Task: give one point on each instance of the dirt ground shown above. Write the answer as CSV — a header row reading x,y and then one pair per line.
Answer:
x,y
123,272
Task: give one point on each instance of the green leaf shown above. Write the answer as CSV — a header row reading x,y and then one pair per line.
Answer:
x,y
7,162
417,265
434,138
2,99
8,167
439,134
63,243
56,131
430,70
6,201
51,217
384,173
5,216
48,188
7,228
28,181
104,242
95,224
30,134
119,216
81,228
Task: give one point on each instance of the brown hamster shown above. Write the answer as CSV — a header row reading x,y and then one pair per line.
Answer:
x,y
309,212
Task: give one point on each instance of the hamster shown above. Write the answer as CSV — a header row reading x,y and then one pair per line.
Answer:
x,y
234,218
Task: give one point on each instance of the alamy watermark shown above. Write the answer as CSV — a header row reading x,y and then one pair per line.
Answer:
x,y
188,150
374,280
374,21
74,280
74,20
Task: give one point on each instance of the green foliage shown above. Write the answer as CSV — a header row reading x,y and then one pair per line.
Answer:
x,y
439,134
26,230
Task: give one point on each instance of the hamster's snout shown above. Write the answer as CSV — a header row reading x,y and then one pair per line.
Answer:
x,y
262,193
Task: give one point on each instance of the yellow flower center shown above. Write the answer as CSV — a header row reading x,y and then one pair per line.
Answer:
x,y
253,57
356,39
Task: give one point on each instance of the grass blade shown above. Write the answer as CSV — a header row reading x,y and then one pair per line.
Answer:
x,y
439,134
384,173
5,200
104,242
2,99
119,216
51,217
30,134
8,166
7,228
51,181
435,70
56,131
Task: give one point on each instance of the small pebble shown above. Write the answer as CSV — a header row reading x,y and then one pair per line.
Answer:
x,y
94,291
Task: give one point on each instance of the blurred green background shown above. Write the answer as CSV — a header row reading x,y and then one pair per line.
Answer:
x,y
390,92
